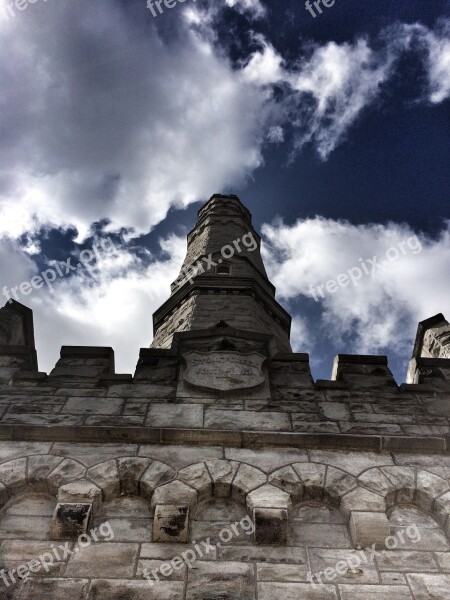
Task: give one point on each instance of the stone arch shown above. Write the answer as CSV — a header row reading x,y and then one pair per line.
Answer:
x,y
314,481
129,475
380,488
222,478
177,501
37,473
409,485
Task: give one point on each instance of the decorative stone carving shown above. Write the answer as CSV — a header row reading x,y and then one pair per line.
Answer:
x,y
224,371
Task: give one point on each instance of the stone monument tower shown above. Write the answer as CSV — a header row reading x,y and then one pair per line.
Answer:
x,y
220,470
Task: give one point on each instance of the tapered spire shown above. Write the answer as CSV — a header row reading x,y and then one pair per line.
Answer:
x,y
222,279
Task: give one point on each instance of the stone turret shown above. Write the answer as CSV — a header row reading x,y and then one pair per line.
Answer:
x,y
431,353
222,279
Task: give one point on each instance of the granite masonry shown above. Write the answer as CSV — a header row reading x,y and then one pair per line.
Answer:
x,y
220,425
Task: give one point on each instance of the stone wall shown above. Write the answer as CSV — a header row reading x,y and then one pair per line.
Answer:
x,y
323,493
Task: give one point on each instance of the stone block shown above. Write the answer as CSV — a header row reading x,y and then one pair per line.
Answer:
x,y
171,523
113,561
221,580
106,476
198,477
247,479
425,586
268,496
222,473
124,589
295,591
375,592
360,499
368,528
157,474
41,588
66,472
271,525
176,493
246,419
82,491
175,415
131,470
70,521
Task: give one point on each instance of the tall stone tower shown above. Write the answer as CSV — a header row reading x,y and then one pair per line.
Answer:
x,y
222,279
220,470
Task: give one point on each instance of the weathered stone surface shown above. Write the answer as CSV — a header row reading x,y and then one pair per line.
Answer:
x,y
175,415
223,371
268,496
106,477
70,521
66,472
131,470
370,592
83,491
171,523
406,561
426,586
103,560
54,589
246,480
369,529
92,454
175,493
134,590
245,419
267,460
288,481
319,535
347,566
282,573
295,591
222,473
156,474
230,580
271,525
198,477
181,456
93,406
362,500
167,552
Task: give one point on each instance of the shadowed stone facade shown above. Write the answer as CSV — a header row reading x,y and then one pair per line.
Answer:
x,y
223,429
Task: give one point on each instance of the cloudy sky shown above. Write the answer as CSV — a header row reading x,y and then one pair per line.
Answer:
x,y
333,129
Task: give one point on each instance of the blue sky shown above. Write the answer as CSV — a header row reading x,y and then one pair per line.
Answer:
x,y
333,130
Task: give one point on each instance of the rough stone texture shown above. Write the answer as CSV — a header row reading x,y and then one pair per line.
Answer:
x,y
70,521
171,523
369,529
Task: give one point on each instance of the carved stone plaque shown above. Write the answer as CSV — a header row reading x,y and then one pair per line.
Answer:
x,y
224,371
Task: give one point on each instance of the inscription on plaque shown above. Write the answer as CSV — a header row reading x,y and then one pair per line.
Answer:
x,y
224,371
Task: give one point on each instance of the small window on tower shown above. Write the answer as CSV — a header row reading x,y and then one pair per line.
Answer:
x,y
223,270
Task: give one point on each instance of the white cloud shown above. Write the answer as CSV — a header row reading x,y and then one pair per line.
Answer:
x,y
252,7
379,311
109,305
119,126
332,84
